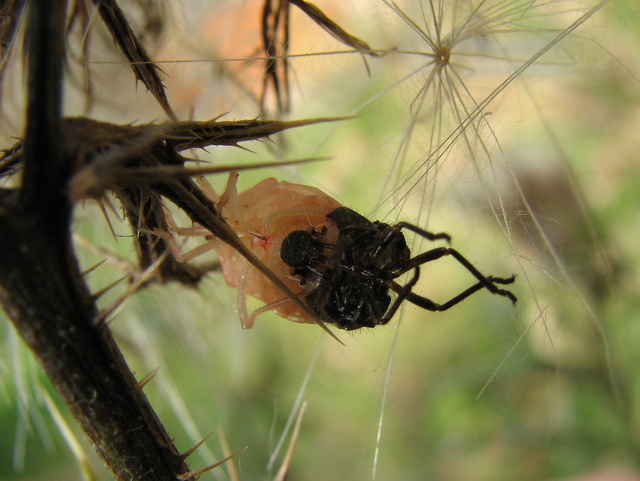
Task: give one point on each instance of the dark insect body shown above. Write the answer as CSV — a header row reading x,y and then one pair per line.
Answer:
x,y
348,282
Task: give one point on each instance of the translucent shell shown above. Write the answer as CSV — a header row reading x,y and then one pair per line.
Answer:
x,y
263,216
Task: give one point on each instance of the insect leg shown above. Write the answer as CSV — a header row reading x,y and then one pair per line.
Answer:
x,y
208,189
404,292
428,304
394,231
424,233
488,282
229,199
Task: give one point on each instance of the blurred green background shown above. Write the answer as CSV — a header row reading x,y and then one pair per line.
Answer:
x,y
544,184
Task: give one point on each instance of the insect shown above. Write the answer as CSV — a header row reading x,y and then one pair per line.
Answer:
x,y
349,280
262,217
343,266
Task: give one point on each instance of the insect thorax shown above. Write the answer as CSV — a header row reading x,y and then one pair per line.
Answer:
x,y
351,289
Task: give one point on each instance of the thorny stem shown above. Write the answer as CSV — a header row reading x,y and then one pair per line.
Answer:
x,y
44,292
41,285
45,52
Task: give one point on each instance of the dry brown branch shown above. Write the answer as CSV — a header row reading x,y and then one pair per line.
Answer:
x,y
10,12
42,287
331,27
144,69
275,42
